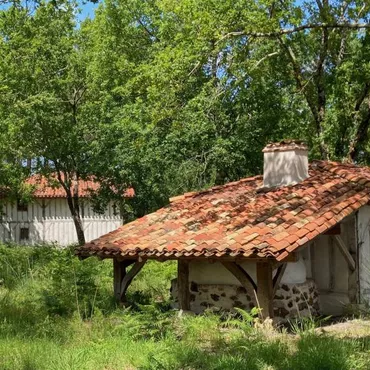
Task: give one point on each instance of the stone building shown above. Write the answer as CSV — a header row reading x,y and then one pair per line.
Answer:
x,y
294,242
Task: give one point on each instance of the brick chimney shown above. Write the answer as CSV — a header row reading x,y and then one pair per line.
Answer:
x,y
285,163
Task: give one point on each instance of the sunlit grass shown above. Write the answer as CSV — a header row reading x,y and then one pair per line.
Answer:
x,y
58,313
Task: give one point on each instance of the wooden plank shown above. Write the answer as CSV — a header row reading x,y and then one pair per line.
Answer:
x,y
331,264
347,256
265,289
243,277
277,278
183,284
127,279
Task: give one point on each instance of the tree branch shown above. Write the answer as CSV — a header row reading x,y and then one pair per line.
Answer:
x,y
288,31
343,33
319,79
265,57
361,134
301,84
151,34
364,93
360,137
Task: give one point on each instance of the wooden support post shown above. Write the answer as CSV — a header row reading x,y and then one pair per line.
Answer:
x,y
119,272
183,284
265,289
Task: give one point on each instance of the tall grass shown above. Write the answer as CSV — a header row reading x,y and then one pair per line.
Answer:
x,y
58,313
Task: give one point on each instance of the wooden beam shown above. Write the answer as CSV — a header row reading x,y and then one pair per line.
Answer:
x,y
183,292
244,278
293,257
277,278
265,289
335,230
313,260
127,279
342,247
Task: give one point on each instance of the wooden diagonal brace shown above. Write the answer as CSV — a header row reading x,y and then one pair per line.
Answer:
x,y
277,278
244,278
126,281
347,256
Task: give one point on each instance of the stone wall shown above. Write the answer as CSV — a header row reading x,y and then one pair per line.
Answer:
x,y
291,300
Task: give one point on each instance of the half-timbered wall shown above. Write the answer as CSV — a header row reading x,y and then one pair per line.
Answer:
x,y
49,220
363,235
320,261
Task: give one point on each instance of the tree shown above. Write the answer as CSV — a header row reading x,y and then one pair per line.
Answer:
x,y
196,88
42,73
170,96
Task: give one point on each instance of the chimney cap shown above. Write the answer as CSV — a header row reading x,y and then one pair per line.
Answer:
x,y
285,145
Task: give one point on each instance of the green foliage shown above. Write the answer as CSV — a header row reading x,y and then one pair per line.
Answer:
x,y
169,96
243,320
57,313
189,97
306,325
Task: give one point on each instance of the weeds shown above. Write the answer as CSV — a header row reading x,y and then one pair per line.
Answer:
x,y
58,313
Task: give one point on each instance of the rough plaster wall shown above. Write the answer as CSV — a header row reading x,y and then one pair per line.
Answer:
x,y
363,222
295,272
204,272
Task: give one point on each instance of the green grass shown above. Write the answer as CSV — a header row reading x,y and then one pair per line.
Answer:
x,y
58,313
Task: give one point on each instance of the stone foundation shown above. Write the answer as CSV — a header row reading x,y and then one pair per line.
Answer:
x,y
291,300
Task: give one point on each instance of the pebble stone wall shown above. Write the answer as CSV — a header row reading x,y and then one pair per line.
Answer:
x,y
290,301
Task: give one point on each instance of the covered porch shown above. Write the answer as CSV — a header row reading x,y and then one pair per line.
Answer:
x,y
287,242
261,289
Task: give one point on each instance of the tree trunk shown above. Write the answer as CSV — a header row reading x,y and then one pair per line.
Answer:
x,y
75,212
73,204
79,229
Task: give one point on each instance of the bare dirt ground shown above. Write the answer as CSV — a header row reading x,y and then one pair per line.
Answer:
x,y
355,328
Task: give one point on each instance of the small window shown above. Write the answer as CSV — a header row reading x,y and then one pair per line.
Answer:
x,y
25,233
22,206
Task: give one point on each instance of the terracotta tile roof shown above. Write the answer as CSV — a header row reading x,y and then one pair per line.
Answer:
x,y
50,188
241,220
45,188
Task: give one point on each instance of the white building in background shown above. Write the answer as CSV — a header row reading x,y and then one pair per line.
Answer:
x,y
47,219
